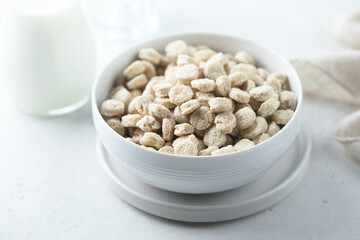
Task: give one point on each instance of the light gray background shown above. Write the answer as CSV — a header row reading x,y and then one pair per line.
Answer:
x,y
50,183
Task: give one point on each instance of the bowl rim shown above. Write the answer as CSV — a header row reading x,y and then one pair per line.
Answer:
x,y
179,35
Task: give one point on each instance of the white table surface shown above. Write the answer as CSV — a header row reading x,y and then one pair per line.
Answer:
x,y
50,183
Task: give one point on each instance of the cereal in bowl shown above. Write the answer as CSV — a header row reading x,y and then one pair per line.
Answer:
x,y
194,101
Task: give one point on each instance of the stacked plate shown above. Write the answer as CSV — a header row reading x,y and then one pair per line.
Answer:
x,y
273,185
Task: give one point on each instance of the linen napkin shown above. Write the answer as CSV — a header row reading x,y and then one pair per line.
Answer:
x,y
336,76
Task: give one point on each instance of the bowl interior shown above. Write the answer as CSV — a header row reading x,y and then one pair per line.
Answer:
x,y
263,56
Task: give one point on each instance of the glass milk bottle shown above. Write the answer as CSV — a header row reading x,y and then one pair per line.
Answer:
x,y
48,57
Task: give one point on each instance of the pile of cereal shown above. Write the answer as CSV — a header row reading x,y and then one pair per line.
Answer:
x,y
195,101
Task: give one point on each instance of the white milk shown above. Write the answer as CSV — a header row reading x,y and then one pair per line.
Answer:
x,y
48,55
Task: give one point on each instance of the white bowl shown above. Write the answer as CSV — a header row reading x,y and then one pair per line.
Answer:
x,y
197,174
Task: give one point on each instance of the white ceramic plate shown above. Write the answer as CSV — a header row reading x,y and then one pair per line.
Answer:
x,y
268,189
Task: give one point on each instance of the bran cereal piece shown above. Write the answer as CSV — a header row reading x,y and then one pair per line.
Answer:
x,y
280,76
274,83
113,91
122,95
248,85
190,137
183,129
268,107
149,91
167,149
287,100
207,151
137,135
151,139
150,70
225,122
223,150
162,89
116,125
223,86
263,73
130,120
245,117
239,95
276,96
282,116
112,107
204,54
252,131
168,125
171,69
186,148
158,111
248,69
273,128
175,48
214,137
134,69
220,104
258,80
244,144
165,102
189,106
142,104
183,59
131,107
237,79
243,57
150,55
202,118
148,124
262,93
261,138
186,73
203,85
137,82
263,123
180,93
215,67
204,98
179,117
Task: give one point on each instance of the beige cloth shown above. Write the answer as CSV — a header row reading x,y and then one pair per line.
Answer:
x,y
346,30
336,76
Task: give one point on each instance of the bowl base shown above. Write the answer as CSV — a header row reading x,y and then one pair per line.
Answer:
x,y
271,187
